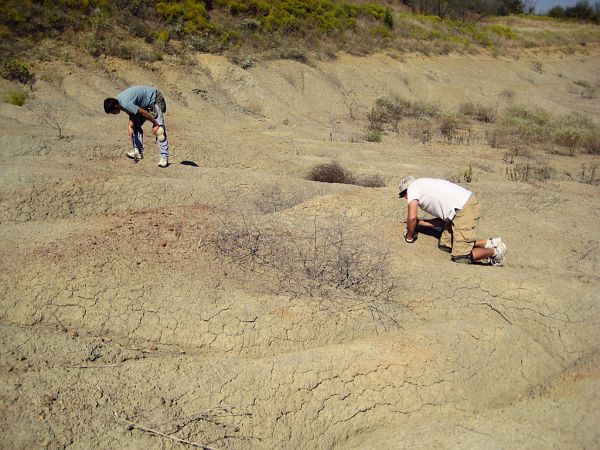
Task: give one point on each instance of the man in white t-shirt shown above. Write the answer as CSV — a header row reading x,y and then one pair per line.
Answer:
x,y
458,211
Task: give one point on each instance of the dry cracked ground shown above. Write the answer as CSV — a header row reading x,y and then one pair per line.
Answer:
x,y
238,305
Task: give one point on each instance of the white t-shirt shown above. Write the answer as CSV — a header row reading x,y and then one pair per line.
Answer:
x,y
440,198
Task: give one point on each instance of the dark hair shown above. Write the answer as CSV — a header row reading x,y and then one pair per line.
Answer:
x,y
110,104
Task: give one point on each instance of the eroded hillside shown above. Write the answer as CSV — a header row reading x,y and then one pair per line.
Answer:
x,y
238,305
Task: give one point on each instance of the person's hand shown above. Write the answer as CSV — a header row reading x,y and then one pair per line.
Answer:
x,y
410,241
155,129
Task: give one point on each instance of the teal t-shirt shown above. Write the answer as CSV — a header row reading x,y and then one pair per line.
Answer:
x,y
136,97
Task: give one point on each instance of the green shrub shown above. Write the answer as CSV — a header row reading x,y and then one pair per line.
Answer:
x,y
388,19
17,98
373,136
519,125
16,70
187,16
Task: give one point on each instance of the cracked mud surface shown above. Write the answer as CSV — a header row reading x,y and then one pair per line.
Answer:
x,y
124,301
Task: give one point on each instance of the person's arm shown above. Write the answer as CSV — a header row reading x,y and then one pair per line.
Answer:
x,y
411,222
146,115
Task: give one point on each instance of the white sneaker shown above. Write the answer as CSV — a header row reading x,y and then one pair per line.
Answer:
x,y
501,250
493,242
164,162
135,154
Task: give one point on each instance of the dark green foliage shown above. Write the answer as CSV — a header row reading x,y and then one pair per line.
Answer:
x,y
582,10
15,70
461,9
388,19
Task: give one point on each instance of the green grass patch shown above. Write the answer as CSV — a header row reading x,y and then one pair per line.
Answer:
x,y
17,98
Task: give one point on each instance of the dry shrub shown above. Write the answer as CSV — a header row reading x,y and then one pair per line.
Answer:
x,y
51,114
449,126
589,174
464,176
422,130
478,111
319,257
272,198
331,172
372,181
519,126
530,173
389,111
592,143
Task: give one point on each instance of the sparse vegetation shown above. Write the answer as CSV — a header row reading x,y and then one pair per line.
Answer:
x,y
482,113
465,176
449,126
519,126
536,66
317,258
589,174
389,111
272,198
529,173
52,114
587,89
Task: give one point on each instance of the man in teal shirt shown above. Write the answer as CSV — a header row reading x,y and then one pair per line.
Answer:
x,y
142,103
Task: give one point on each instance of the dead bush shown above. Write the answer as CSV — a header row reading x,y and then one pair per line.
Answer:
x,y
272,198
331,172
589,174
372,181
51,114
422,130
449,126
321,257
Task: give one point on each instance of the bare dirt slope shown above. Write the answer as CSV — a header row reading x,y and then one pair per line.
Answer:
x,y
187,300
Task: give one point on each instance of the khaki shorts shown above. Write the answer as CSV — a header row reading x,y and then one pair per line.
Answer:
x,y
461,233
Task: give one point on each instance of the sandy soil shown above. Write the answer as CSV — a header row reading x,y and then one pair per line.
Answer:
x,y
123,309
